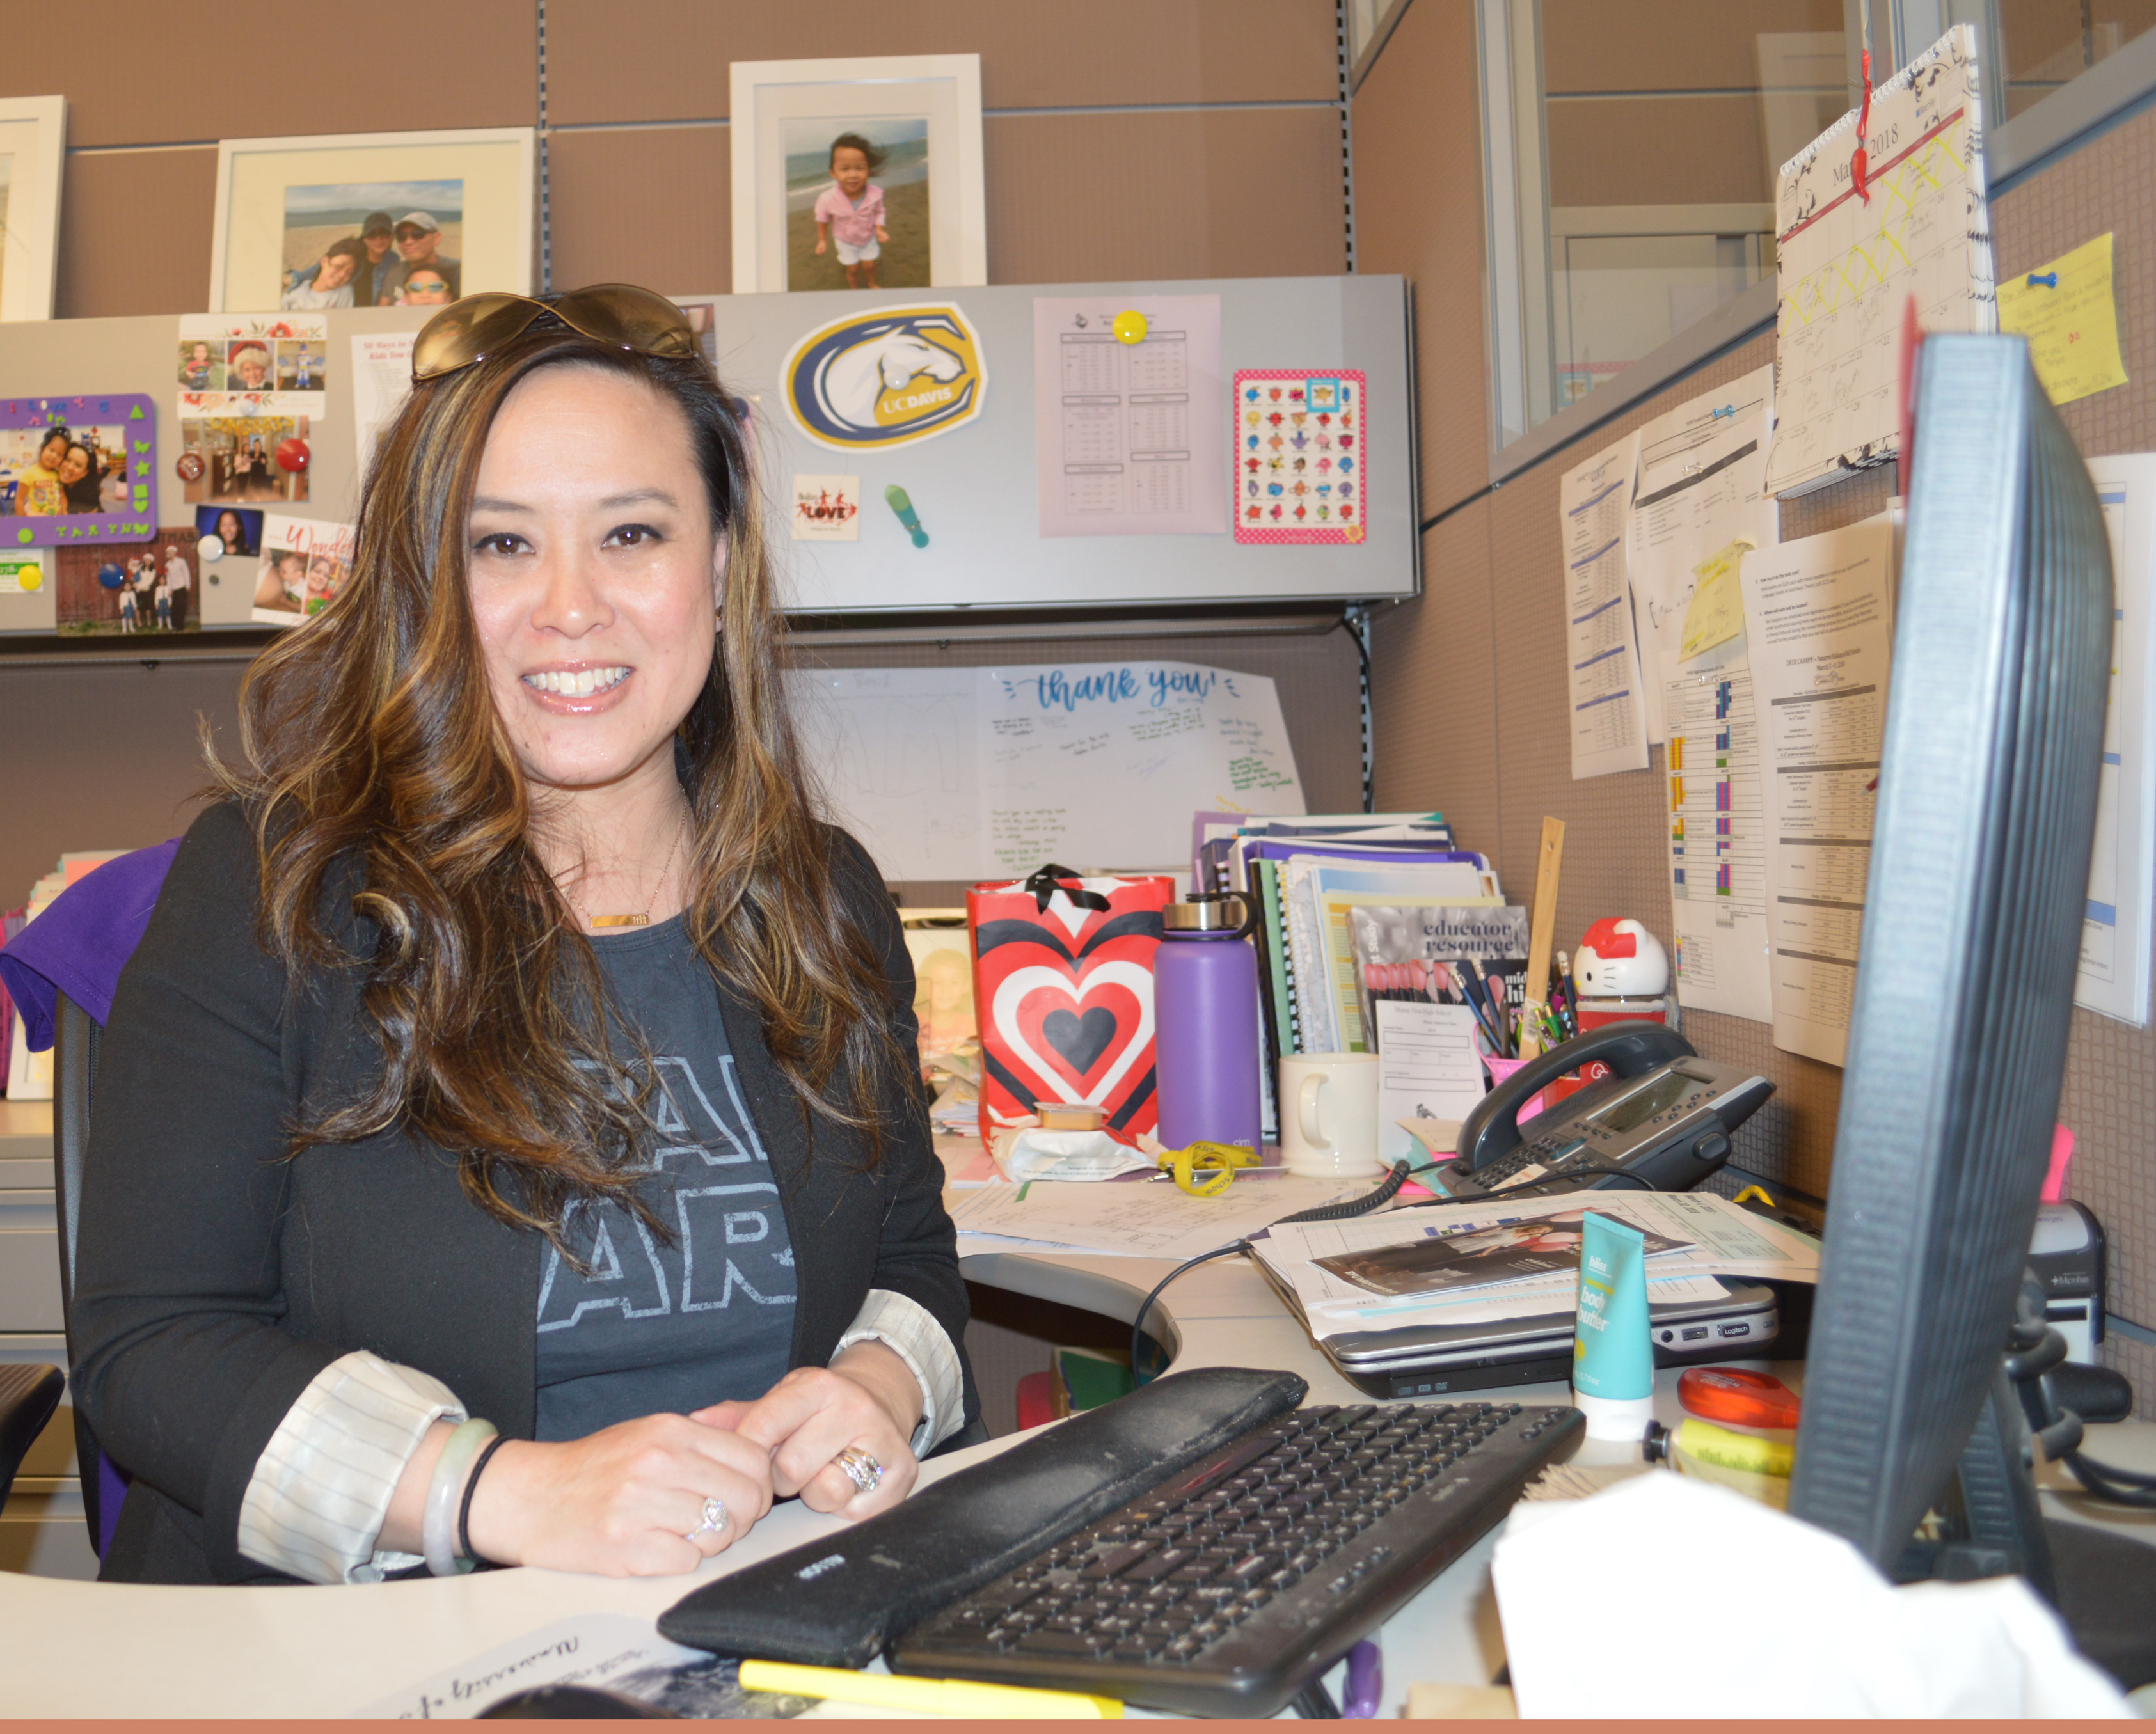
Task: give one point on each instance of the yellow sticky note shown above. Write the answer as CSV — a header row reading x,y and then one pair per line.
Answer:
x,y
2066,310
1716,611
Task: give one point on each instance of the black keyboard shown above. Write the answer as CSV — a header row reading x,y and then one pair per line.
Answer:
x,y
1242,1578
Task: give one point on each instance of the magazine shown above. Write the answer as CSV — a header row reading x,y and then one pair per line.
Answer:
x,y
1474,1258
1420,951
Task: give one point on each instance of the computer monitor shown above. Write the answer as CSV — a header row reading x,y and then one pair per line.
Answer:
x,y
1980,847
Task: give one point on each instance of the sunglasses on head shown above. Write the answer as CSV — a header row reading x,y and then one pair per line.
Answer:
x,y
618,315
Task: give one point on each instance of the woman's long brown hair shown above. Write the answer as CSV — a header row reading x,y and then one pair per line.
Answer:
x,y
381,784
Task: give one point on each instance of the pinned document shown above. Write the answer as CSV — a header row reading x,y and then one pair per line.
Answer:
x,y
1715,614
2068,311
1602,659
2114,977
1820,617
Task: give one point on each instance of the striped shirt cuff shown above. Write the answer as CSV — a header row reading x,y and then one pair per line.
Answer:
x,y
321,1490
909,1331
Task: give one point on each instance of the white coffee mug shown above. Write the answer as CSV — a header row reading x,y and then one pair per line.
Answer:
x,y
1328,1111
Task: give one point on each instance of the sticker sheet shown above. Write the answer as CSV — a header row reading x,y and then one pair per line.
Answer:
x,y
1299,455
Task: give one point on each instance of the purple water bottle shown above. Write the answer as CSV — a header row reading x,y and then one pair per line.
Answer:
x,y
1205,1016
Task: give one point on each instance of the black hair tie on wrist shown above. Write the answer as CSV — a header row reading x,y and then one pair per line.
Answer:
x,y
464,1511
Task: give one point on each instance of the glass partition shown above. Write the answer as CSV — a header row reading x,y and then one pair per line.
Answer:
x,y
1640,141
2050,43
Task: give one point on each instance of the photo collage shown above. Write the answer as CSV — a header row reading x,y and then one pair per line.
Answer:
x,y
251,386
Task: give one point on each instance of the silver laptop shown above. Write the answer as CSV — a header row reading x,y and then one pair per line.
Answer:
x,y
1437,1360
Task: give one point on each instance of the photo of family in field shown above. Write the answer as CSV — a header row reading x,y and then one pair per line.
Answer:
x,y
373,244
857,203
59,471
145,586
243,458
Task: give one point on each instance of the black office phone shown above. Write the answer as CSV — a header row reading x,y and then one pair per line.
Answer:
x,y
1661,1122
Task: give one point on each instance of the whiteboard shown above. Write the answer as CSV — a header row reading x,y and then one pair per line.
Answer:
x,y
973,487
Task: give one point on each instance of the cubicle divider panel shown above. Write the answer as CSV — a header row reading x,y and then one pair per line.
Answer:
x,y
1421,103
1506,610
2108,187
1614,856
1433,661
975,483
104,757
1164,138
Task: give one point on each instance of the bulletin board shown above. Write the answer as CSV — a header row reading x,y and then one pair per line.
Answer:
x,y
973,487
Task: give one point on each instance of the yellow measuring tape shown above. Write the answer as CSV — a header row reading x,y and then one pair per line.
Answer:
x,y
1216,1162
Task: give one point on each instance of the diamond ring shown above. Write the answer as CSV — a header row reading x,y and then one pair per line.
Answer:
x,y
862,1470
715,1519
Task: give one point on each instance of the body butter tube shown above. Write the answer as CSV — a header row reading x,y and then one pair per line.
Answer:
x,y
1613,1355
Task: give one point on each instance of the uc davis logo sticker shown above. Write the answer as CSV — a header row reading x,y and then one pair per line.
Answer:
x,y
886,378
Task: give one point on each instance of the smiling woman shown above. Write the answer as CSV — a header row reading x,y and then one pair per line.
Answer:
x,y
657,1202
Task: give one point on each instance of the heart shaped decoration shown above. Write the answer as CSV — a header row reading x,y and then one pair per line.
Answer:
x,y
1119,992
1081,1041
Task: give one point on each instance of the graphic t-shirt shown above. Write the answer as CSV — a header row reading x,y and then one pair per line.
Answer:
x,y
38,493
659,1328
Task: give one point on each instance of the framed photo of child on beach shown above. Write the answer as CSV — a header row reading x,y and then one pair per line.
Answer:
x,y
372,219
858,174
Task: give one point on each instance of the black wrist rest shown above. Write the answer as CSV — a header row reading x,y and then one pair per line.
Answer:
x,y
837,1602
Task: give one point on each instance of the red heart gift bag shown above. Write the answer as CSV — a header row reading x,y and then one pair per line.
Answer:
x,y
1063,988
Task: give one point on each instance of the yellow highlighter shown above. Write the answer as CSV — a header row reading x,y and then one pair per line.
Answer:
x,y
934,1697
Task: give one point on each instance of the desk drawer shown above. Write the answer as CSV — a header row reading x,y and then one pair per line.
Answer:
x,y
29,1263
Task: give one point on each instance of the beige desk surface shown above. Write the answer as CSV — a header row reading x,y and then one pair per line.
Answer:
x,y
85,1650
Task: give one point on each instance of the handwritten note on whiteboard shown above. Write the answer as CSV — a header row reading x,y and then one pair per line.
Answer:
x,y
1102,765
973,773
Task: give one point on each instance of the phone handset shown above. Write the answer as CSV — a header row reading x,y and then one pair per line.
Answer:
x,y
1628,1049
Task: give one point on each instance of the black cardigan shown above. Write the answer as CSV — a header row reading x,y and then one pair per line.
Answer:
x,y
215,1280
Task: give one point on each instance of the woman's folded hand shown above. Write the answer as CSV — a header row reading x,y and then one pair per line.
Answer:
x,y
866,1398
628,1501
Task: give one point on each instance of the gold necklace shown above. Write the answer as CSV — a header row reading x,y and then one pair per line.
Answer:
x,y
645,919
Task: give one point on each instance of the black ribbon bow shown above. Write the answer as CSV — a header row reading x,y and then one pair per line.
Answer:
x,y
1046,882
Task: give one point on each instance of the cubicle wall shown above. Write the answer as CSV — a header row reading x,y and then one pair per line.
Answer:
x,y
1469,678
1131,139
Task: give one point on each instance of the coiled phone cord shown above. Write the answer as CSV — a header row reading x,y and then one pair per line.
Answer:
x,y
1376,1198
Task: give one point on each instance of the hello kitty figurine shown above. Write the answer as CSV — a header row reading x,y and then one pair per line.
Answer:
x,y
1622,972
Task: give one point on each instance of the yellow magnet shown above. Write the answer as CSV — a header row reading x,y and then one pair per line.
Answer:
x,y
1129,327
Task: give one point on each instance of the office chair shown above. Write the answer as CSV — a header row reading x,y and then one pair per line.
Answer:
x,y
28,1395
75,1038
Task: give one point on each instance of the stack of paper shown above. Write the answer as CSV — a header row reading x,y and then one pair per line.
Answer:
x,y
1135,1218
1693,1237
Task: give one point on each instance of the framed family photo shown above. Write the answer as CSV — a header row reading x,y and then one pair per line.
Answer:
x,y
33,144
381,219
858,174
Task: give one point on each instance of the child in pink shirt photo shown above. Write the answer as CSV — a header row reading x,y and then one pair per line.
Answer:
x,y
849,212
